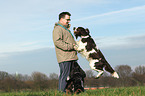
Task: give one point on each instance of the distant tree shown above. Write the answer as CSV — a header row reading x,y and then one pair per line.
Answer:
x,y
21,77
53,76
89,74
139,75
38,76
124,71
125,74
40,80
53,81
140,70
3,75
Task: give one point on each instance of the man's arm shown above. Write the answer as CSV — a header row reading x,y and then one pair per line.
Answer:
x,y
59,42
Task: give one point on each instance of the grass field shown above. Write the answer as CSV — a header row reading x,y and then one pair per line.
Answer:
x,y
124,91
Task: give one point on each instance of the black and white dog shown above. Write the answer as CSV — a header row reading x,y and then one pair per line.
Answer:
x,y
87,47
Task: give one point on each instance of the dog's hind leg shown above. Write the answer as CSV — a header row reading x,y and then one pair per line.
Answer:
x,y
110,69
100,73
107,65
94,67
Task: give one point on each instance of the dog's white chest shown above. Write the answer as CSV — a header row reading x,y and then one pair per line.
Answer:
x,y
83,51
81,44
82,48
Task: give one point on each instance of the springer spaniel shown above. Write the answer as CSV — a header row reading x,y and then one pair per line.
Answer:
x,y
87,48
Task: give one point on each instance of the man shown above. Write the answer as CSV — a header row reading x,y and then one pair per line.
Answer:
x,y
64,46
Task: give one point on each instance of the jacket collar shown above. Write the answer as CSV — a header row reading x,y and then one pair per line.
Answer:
x,y
66,26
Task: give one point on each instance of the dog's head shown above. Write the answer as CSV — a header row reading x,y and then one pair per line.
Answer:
x,y
80,31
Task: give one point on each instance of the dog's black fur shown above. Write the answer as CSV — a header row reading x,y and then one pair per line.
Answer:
x,y
75,83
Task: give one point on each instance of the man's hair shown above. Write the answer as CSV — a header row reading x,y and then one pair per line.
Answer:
x,y
62,14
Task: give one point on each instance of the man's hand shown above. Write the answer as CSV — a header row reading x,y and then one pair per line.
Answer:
x,y
75,46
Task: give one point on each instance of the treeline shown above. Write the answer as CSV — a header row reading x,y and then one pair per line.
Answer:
x,y
128,77
37,81
40,81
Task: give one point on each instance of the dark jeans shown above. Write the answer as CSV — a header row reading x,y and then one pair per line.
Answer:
x,y
64,73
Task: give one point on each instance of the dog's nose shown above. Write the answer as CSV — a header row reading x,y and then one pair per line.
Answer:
x,y
74,28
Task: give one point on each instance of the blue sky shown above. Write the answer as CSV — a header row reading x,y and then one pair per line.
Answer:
x,y
26,32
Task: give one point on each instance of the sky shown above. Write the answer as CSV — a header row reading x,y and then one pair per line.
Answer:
x,y
26,45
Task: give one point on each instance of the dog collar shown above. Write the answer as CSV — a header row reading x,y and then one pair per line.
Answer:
x,y
85,36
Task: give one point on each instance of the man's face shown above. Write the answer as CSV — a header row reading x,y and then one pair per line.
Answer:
x,y
66,20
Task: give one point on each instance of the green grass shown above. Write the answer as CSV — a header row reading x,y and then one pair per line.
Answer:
x,y
124,91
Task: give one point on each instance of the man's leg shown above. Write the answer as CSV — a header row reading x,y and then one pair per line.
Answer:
x,y
64,73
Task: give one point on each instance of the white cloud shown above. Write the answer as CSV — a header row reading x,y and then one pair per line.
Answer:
x,y
29,44
121,42
124,11
3,55
23,46
25,18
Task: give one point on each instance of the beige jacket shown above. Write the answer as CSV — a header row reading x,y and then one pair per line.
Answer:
x,y
63,42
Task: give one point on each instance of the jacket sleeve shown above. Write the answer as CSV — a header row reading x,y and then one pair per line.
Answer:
x,y
59,42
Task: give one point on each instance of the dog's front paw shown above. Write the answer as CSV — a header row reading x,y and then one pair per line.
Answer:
x,y
100,73
77,48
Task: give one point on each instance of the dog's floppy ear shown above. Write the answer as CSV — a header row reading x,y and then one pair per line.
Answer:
x,y
87,30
